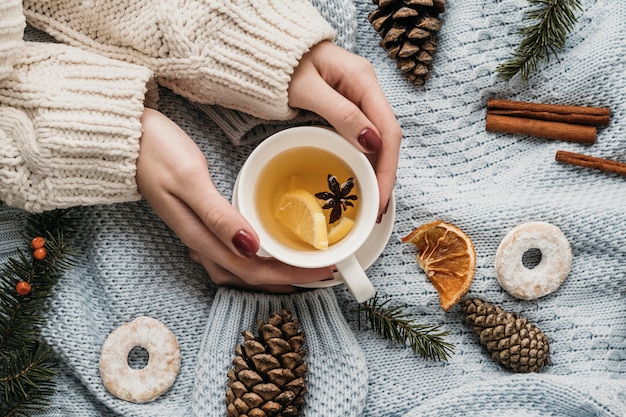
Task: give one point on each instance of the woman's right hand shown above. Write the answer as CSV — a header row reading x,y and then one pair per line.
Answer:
x,y
342,88
173,177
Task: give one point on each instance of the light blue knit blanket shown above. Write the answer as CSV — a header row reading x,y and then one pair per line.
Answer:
x,y
450,169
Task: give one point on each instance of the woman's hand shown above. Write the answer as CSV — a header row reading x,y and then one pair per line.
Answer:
x,y
173,177
342,88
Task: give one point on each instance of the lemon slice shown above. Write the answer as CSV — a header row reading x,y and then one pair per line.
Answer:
x,y
299,210
340,230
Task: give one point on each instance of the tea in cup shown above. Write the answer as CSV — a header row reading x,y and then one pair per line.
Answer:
x,y
312,198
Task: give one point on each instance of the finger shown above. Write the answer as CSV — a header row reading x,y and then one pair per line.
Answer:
x,y
349,121
253,270
191,183
365,91
222,276
350,98
222,219
343,114
386,177
257,272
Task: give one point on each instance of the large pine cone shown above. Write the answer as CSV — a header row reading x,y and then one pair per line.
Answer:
x,y
408,29
268,374
511,340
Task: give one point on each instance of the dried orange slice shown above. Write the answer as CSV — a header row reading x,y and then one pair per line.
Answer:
x,y
447,256
300,211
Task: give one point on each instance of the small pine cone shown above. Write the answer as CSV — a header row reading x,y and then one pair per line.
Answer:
x,y
268,374
408,30
511,340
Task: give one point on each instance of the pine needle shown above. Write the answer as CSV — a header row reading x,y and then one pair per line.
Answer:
x,y
26,363
554,20
391,323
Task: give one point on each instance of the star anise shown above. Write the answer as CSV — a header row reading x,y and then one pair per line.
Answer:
x,y
338,199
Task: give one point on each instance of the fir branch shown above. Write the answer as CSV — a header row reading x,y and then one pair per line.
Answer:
x,y
554,20
26,379
22,316
393,324
26,365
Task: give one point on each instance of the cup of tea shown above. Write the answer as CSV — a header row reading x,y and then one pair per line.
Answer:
x,y
312,197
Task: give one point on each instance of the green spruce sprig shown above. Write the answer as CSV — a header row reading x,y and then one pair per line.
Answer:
x,y
27,367
554,20
391,323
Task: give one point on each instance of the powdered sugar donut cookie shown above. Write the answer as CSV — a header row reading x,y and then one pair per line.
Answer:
x,y
146,384
547,275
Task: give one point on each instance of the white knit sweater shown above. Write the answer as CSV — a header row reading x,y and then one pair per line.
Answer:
x,y
238,54
70,128
11,32
70,115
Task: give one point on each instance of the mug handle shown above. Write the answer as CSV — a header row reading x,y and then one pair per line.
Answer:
x,y
355,278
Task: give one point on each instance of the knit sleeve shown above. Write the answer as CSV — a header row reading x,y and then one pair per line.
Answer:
x,y
237,54
70,128
11,33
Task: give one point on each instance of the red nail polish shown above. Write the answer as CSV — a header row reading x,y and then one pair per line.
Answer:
x,y
370,140
244,243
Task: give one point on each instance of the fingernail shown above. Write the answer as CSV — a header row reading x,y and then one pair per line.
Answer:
x,y
245,244
380,216
370,140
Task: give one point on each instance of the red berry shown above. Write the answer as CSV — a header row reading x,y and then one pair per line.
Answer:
x,y
23,288
40,253
38,242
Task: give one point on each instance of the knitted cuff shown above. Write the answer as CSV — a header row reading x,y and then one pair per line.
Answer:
x,y
242,128
337,376
236,54
12,26
70,126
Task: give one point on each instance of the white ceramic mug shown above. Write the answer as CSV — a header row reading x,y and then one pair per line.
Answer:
x,y
340,254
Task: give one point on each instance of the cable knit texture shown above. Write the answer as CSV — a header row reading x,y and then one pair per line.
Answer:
x,y
450,168
334,357
70,128
236,54
242,128
12,25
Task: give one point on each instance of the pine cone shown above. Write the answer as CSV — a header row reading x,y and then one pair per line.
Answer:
x,y
268,374
512,341
408,29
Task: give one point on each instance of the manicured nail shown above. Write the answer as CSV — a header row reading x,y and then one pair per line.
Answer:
x,y
380,216
370,140
245,244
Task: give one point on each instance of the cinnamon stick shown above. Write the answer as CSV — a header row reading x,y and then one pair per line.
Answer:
x,y
593,162
543,128
553,112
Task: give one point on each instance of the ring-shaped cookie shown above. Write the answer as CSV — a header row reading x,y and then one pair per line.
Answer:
x,y
146,384
547,275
